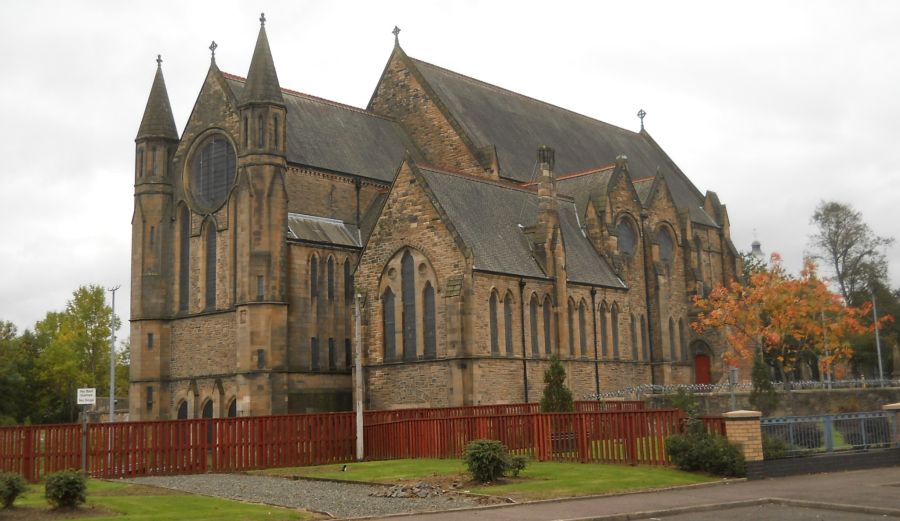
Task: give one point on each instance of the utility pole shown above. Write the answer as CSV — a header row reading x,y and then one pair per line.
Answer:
x,y
877,339
360,440
112,357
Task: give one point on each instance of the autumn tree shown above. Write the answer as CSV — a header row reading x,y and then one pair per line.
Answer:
x,y
849,247
785,319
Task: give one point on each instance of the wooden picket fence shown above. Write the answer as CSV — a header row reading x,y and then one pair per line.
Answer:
x,y
236,444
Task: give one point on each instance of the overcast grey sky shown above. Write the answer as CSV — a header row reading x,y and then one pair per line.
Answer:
x,y
773,105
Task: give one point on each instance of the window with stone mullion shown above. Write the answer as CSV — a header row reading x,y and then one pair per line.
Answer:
x,y
408,280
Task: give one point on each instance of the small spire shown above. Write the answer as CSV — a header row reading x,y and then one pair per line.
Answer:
x,y
158,121
262,81
396,33
212,47
641,113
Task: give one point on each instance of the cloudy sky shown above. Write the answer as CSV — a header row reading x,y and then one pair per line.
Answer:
x,y
773,105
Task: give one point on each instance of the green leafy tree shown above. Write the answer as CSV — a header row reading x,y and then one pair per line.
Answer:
x,y
849,248
762,394
557,397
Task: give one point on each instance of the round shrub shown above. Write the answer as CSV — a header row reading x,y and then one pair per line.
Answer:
x,y
707,453
11,487
65,489
488,460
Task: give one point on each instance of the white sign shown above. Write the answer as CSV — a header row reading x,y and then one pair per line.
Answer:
x,y
87,396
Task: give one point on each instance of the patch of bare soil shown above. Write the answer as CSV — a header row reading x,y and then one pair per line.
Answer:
x,y
52,514
456,484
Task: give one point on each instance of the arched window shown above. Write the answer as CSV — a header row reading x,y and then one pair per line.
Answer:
x,y
207,410
390,333
626,236
492,311
408,275
348,282
182,413
184,259
507,324
210,265
682,338
246,130
645,347
313,277
275,133
330,278
582,332
533,319
548,341
141,163
604,338
428,319
614,318
665,245
314,352
332,355
672,354
260,131
698,255
632,325
232,408
153,161
570,317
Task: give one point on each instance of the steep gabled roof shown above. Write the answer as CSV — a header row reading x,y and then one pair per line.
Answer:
x,y
490,219
592,185
332,136
517,125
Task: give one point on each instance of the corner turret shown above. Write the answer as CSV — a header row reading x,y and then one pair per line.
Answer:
x,y
261,103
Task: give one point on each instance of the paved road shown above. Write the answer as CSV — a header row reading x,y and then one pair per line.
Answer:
x,y
860,490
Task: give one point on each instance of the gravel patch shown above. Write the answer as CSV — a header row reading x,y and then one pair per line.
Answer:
x,y
341,500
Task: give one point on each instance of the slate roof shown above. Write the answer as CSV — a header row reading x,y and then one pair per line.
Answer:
x,y
517,125
586,186
321,229
336,137
488,216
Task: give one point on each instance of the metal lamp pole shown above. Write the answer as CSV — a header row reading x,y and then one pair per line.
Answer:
x,y
877,340
360,439
112,358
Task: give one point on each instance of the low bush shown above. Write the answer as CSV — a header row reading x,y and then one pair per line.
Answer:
x,y
704,452
774,447
488,460
65,489
11,487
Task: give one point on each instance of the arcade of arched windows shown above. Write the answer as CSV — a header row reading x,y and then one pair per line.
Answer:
x,y
328,287
408,307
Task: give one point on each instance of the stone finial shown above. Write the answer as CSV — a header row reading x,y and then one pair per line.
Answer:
x,y
262,19
212,47
641,113
396,33
159,61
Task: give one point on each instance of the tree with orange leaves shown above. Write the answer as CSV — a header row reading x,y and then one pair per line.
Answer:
x,y
787,320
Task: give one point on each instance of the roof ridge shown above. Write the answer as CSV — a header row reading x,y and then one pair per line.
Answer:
x,y
643,179
520,95
581,173
298,94
508,186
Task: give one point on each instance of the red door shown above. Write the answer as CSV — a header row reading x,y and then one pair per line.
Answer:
x,y
701,369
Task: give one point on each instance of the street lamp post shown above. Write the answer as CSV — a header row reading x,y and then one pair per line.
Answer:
x,y
877,339
112,358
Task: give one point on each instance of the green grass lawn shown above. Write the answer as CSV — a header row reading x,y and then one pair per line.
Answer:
x,y
540,480
130,502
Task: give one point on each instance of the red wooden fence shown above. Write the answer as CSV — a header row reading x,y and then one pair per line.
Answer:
x,y
613,432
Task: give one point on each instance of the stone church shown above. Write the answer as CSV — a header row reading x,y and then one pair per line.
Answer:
x,y
480,230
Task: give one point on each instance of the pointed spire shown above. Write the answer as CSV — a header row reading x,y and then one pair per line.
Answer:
x,y
158,121
262,81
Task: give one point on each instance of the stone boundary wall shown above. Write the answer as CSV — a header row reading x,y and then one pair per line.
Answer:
x,y
796,403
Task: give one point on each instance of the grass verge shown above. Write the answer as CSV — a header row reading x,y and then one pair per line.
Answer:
x,y
540,480
125,502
